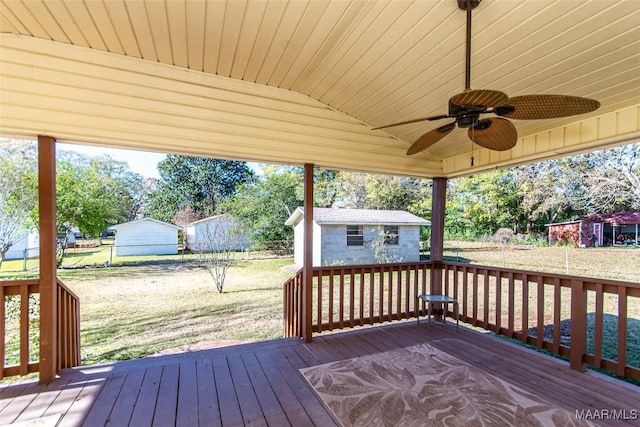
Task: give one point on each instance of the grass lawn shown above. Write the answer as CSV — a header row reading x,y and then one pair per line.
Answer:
x,y
619,263
131,312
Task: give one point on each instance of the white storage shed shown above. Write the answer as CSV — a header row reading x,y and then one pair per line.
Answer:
x,y
146,236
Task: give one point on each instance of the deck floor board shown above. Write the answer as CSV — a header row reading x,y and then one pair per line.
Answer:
x,y
147,398
260,384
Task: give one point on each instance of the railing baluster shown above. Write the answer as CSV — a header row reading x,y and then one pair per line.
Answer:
x,y
578,325
407,287
416,288
3,331
465,291
352,299
598,326
475,296
381,294
331,305
24,330
622,331
399,293
361,313
485,296
371,293
341,297
512,304
540,323
525,308
320,279
390,293
557,315
498,302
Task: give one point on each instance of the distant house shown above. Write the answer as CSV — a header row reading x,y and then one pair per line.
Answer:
x,y
146,236
344,236
201,235
616,229
27,246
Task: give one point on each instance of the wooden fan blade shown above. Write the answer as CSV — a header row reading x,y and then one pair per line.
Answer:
x,y
430,138
422,119
495,134
533,107
485,97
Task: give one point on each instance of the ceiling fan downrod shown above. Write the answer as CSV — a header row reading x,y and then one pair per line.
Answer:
x,y
468,5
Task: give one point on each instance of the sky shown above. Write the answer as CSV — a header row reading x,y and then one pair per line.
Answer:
x,y
142,162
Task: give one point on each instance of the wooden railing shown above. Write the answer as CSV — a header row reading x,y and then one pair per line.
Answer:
x,y
68,328
292,306
583,319
576,316
19,329
20,319
348,296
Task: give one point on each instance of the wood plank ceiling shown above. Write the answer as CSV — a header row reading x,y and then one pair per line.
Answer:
x,y
328,70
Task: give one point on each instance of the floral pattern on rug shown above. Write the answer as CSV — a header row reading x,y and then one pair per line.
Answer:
x,y
423,386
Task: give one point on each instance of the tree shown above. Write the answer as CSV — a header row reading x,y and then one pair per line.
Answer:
x,y
480,204
18,192
548,192
217,243
380,246
372,191
265,203
326,187
93,193
611,179
202,183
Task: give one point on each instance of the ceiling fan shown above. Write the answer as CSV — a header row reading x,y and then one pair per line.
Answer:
x,y
494,133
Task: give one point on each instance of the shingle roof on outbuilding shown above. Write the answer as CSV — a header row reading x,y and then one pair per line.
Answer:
x,y
358,216
142,220
618,218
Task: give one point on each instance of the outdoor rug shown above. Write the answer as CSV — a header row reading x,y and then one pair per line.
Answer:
x,y
423,386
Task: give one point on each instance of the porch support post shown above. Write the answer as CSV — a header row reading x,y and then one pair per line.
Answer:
x,y
307,264
438,201
48,286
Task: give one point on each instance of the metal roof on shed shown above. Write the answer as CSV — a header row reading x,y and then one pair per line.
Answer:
x,y
359,216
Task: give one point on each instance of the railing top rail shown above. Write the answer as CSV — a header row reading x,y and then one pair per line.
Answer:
x,y
370,266
21,282
67,289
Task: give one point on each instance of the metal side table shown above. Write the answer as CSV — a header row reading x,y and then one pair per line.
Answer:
x,y
439,299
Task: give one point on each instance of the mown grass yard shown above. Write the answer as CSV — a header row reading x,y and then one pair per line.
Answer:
x,y
618,263
131,312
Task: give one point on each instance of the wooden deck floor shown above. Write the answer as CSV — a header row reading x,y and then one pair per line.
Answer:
x,y
260,384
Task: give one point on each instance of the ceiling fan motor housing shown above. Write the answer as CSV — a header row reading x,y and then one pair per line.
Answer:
x,y
466,115
468,4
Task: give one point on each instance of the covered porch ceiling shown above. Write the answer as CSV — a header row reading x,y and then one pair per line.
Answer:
x,y
300,81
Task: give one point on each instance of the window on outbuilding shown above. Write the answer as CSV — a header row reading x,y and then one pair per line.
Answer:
x,y
355,235
390,234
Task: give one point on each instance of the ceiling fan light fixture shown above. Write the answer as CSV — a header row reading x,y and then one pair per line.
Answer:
x,y
447,128
482,124
504,110
467,120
